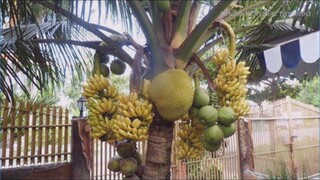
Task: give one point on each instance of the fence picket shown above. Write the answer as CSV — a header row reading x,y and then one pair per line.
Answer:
x,y
40,133
22,147
46,142
19,133
33,132
12,123
60,135
5,130
26,134
53,140
66,114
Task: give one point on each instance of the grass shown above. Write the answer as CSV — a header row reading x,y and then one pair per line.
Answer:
x,y
277,164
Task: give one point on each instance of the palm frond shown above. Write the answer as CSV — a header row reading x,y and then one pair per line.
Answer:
x,y
108,10
43,64
273,21
259,39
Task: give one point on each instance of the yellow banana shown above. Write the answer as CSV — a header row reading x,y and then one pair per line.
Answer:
x,y
134,131
122,133
145,88
127,121
132,112
126,113
140,132
145,112
138,111
136,123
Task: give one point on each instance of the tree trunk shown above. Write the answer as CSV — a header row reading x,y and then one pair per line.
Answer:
x,y
158,159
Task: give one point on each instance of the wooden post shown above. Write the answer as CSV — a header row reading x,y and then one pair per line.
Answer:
x,y
293,166
272,131
245,149
81,149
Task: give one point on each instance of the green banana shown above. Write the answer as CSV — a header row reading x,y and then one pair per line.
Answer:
x,y
96,63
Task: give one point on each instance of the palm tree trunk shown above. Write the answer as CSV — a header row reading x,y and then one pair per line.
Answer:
x,y
158,159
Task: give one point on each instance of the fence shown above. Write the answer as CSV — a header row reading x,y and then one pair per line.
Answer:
x,y
222,164
34,134
102,153
286,138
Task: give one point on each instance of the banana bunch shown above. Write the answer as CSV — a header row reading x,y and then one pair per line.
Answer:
x,y
101,126
189,143
133,107
221,57
95,84
102,105
133,118
231,86
100,117
134,130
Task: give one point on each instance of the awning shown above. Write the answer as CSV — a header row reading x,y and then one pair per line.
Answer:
x,y
297,56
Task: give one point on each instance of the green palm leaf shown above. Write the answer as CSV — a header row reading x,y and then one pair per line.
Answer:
x,y
42,63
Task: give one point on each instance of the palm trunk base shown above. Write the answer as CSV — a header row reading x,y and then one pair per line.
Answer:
x,y
158,160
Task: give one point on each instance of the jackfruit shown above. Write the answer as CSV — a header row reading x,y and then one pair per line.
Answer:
x,y
172,93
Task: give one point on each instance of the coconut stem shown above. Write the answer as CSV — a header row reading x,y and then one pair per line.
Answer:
x,y
232,38
196,78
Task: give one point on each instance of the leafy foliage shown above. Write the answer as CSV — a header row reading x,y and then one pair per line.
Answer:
x,y
275,89
310,92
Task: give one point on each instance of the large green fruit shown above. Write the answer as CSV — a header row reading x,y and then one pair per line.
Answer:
x,y
114,163
104,70
228,130
208,115
125,149
201,98
128,166
213,134
211,146
163,5
138,156
172,92
117,67
226,115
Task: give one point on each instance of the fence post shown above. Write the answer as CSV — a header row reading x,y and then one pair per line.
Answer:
x,y
272,134
245,149
81,157
292,159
